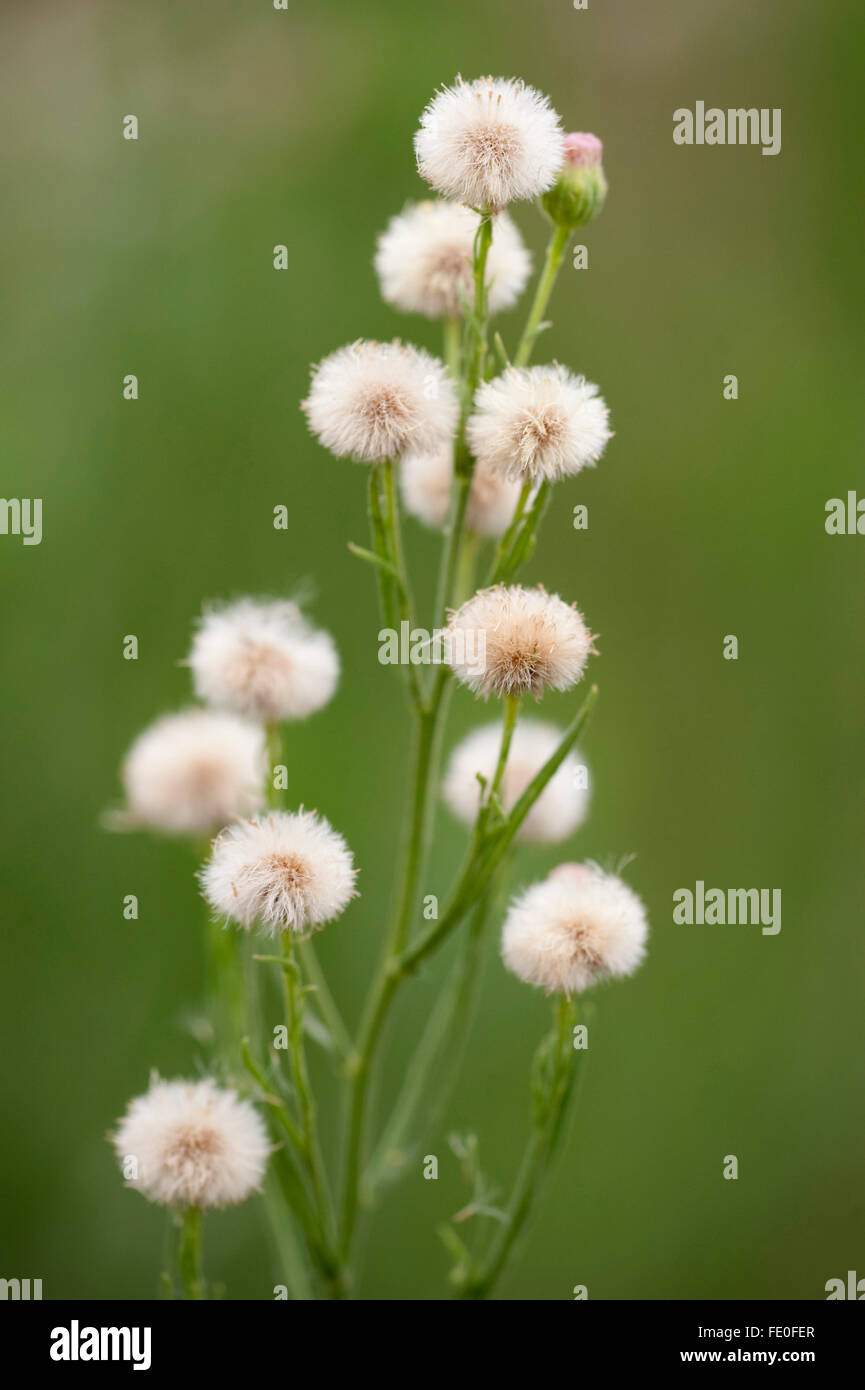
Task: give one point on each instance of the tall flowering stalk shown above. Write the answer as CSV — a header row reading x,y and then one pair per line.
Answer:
x,y
472,446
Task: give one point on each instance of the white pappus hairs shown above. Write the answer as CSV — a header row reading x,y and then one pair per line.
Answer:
x,y
562,805
424,261
190,1143
489,142
191,773
261,658
426,481
578,926
287,871
538,423
373,401
530,640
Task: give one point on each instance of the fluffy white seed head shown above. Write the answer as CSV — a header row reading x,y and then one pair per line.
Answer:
x,y
189,1143
516,641
425,480
261,658
538,423
561,806
424,261
578,926
287,871
489,142
374,401
193,772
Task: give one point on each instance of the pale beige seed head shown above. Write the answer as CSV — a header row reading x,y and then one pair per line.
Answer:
x,y
426,483
580,925
561,806
516,641
193,772
191,1143
538,424
424,261
489,142
374,401
261,658
285,871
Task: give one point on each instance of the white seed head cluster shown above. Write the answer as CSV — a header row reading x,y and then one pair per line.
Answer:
x,y
261,658
426,479
289,871
192,1144
576,927
561,806
424,261
374,401
528,639
193,772
538,423
490,142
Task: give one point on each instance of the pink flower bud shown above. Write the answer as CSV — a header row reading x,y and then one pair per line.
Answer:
x,y
582,149
572,873
579,192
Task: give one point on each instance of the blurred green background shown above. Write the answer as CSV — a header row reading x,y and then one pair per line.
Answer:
x,y
260,127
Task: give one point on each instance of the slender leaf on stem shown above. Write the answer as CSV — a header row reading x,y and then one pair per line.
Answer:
x,y
324,1000
487,851
377,560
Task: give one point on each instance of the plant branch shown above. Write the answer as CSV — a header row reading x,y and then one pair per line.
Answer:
x,y
488,850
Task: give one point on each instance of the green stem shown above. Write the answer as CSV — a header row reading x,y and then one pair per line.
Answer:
x,y
386,584
514,545
451,560
325,1001
303,1090
524,542
430,718
548,1126
507,540
292,1196
509,723
189,1254
396,556
227,1004
555,253
289,1192
393,532
442,1046
464,579
386,980
486,853
477,346
452,347
463,461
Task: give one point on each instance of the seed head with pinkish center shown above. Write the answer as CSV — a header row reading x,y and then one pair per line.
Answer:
x,y
489,142
190,1143
374,401
516,641
576,927
286,871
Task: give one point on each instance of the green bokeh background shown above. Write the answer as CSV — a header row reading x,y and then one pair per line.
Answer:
x,y
706,518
